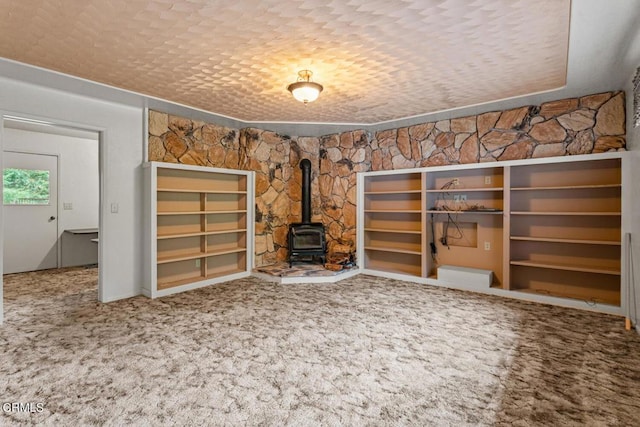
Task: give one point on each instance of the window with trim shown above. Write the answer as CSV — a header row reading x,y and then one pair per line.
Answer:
x,y
25,187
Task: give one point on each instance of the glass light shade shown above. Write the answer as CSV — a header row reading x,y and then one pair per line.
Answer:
x,y
305,91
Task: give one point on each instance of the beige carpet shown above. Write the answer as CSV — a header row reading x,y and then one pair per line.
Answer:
x,y
366,351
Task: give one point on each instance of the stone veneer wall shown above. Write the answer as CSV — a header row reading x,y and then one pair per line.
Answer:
x,y
590,124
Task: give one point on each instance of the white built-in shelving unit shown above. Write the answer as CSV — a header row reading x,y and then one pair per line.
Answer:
x,y
550,230
200,228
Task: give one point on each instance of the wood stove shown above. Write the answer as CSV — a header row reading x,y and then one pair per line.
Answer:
x,y
306,238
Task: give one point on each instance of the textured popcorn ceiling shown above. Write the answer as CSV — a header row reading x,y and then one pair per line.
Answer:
x,y
378,60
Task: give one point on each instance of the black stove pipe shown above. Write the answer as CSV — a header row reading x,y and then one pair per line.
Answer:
x,y
305,165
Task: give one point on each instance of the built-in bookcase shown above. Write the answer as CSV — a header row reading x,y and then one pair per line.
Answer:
x,y
566,222
200,226
548,229
393,216
465,209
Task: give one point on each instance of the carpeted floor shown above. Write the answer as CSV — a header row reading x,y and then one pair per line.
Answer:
x,y
365,351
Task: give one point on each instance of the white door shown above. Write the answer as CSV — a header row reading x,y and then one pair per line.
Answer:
x,y
30,199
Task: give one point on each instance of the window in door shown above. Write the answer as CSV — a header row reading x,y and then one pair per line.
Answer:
x,y
25,187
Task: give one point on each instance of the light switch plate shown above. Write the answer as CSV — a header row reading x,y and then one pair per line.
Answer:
x,y
67,206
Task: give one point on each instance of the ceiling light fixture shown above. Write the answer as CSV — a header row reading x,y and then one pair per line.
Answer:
x,y
304,90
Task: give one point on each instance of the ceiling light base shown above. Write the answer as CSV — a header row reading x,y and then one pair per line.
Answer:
x,y
304,90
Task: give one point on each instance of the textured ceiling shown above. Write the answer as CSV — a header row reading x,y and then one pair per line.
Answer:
x,y
378,60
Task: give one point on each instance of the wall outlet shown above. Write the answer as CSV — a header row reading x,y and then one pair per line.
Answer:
x,y
456,198
463,197
114,208
487,246
198,262
487,180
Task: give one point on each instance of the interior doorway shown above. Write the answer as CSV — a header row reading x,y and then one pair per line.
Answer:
x,y
78,186
30,204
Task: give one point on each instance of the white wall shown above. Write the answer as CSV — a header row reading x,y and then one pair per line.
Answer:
x,y
121,148
633,144
630,61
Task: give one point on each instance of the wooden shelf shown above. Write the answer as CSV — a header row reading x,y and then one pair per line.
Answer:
x,y
465,190
410,222
393,192
394,250
556,240
567,213
567,267
200,233
393,211
182,190
202,212
386,230
197,255
567,187
225,273
401,183
176,283
224,252
392,263
470,211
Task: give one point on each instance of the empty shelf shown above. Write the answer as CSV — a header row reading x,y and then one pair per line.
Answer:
x,y
576,241
569,267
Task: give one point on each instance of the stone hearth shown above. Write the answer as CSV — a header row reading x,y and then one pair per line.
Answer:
x,y
302,273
